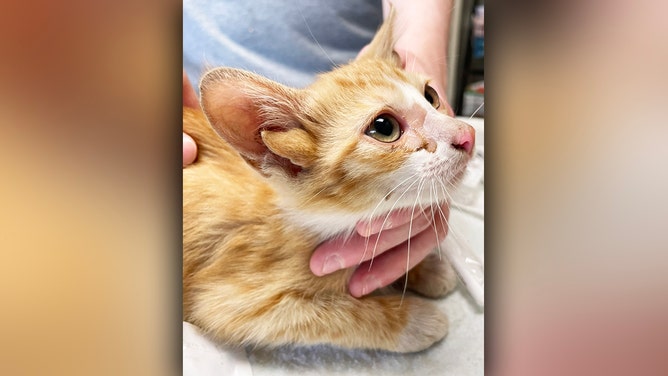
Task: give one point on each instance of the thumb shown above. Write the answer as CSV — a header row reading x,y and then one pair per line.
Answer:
x,y
189,150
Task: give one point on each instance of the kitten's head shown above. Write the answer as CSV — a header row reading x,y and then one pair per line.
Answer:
x,y
365,136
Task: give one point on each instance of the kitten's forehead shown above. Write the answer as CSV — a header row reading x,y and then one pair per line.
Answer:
x,y
358,91
375,78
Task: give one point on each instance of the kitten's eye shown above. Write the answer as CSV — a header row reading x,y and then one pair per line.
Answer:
x,y
431,96
385,128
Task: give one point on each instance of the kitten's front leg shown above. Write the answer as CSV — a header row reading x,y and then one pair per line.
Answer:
x,y
296,317
388,323
426,325
434,277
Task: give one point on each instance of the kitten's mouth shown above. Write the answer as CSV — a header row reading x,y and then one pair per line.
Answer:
x,y
451,171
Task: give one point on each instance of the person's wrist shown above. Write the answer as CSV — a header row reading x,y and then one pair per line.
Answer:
x,y
430,64
421,60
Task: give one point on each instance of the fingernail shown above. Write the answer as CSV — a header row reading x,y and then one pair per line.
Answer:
x,y
371,283
332,263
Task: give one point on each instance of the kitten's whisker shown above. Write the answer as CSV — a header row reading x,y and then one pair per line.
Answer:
x,y
408,244
447,192
441,213
375,247
457,235
448,197
477,109
433,217
451,231
447,227
315,40
366,243
372,215
424,206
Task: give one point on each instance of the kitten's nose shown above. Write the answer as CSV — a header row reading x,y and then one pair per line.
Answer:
x,y
464,139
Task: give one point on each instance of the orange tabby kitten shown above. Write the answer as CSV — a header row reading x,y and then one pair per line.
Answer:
x,y
282,170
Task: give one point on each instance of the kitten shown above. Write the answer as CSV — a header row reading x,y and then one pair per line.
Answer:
x,y
284,169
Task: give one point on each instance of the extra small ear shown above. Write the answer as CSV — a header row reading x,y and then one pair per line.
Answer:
x,y
382,44
257,116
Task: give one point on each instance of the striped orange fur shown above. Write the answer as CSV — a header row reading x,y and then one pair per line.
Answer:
x,y
279,171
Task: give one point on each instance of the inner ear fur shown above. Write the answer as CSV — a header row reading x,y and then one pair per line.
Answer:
x,y
255,115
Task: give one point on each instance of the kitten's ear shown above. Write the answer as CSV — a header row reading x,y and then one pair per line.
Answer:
x,y
258,117
382,44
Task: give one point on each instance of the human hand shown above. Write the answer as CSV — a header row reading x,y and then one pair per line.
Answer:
x,y
189,100
383,250
429,66
421,30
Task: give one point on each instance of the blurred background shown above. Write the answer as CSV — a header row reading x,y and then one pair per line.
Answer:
x,y
466,58
575,183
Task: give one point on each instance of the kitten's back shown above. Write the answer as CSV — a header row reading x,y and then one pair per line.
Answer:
x,y
220,192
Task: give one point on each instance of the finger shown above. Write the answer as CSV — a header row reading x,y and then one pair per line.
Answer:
x,y
189,150
189,95
393,220
339,254
391,265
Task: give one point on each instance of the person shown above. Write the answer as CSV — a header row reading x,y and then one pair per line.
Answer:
x,y
292,41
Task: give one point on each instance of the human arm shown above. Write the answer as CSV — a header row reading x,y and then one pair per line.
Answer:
x,y
423,28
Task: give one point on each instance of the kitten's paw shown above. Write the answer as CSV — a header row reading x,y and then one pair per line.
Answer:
x,y
434,277
426,326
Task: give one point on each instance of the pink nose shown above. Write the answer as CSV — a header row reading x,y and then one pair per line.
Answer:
x,y
464,139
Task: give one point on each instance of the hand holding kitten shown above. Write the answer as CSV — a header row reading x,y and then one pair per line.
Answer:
x,y
395,253
381,249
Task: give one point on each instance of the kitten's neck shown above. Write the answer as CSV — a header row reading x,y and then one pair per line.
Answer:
x,y
324,224
328,222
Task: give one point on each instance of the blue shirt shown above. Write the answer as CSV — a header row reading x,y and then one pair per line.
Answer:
x,y
287,41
